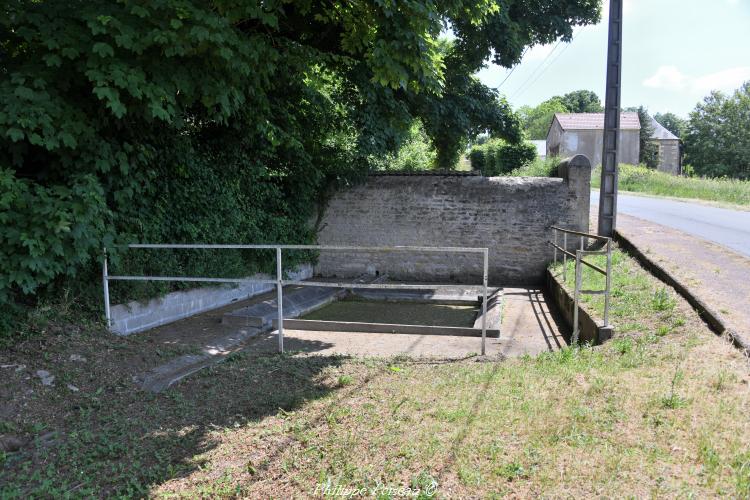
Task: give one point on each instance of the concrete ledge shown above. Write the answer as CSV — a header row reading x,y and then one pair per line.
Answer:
x,y
707,314
494,312
458,296
138,316
295,303
161,377
357,327
589,329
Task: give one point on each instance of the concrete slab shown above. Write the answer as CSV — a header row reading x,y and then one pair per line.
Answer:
x,y
308,343
529,325
390,328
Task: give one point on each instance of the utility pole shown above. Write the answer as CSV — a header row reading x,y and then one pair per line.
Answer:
x,y
608,186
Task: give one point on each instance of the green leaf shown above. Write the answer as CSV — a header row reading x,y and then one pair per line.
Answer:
x,y
14,134
52,60
103,50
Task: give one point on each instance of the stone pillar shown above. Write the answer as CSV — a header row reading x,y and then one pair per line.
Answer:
x,y
576,172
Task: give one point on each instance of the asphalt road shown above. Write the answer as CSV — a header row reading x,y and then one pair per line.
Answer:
x,y
730,228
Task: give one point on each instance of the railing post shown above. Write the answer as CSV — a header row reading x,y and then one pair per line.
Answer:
x,y
565,257
554,236
576,295
484,301
105,283
279,299
608,279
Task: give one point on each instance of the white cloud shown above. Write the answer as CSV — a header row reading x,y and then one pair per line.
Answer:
x,y
671,78
668,78
728,79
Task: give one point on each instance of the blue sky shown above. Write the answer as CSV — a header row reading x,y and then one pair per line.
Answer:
x,y
674,53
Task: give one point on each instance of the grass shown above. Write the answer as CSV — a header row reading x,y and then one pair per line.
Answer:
x,y
537,168
644,180
647,414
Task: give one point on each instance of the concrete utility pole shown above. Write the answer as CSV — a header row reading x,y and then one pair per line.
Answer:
x,y
608,186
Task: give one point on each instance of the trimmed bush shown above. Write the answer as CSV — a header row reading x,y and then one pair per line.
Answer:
x,y
499,157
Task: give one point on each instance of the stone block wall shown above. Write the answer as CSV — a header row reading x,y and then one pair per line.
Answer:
x,y
509,215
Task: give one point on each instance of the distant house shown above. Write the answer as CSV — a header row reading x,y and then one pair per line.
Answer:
x,y
669,149
583,133
541,148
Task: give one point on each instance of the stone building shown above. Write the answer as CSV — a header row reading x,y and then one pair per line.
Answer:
x,y
669,149
583,133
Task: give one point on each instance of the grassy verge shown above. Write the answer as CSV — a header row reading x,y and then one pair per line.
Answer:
x,y
659,411
644,180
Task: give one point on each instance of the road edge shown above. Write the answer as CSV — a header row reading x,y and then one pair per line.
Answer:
x,y
706,313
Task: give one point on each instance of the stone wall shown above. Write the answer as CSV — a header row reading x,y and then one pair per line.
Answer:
x,y
509,215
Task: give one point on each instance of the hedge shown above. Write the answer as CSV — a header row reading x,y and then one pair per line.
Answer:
x,y
499,157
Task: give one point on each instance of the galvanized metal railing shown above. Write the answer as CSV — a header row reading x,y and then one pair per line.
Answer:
x,y
579,255
280,281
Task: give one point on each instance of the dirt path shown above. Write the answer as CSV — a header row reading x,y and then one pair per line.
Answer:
x,y
715,274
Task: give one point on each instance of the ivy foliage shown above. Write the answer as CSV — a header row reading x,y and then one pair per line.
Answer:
x,y
227,120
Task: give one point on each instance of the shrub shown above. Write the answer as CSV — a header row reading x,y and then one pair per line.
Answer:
x,y
499,157
546,167
416,152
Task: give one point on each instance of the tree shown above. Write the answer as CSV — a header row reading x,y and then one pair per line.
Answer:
x,y
227,120
649,149
536,120
717,141
672,122
582,101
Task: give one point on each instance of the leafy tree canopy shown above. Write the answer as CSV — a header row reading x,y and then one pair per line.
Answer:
x,y
225,120
672,122
536,120
649,149
717,141
582,101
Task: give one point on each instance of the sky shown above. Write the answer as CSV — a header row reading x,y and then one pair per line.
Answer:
x,y
674,53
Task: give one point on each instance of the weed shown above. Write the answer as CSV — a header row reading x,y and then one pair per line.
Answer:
x,y
673,400
425,484
662,300
511,471
741,468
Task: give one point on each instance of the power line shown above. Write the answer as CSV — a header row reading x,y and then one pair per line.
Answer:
x,y
512,69
521,90
540,65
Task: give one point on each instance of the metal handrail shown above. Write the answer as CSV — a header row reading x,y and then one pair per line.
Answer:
x,y
579,233
280,282
579,257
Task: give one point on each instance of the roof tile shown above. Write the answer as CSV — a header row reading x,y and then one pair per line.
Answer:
x,y
595,121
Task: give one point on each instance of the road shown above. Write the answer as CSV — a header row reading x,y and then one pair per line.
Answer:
x,y
729,228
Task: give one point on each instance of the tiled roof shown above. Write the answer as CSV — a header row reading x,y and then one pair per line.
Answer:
x,y
594,121
660,132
